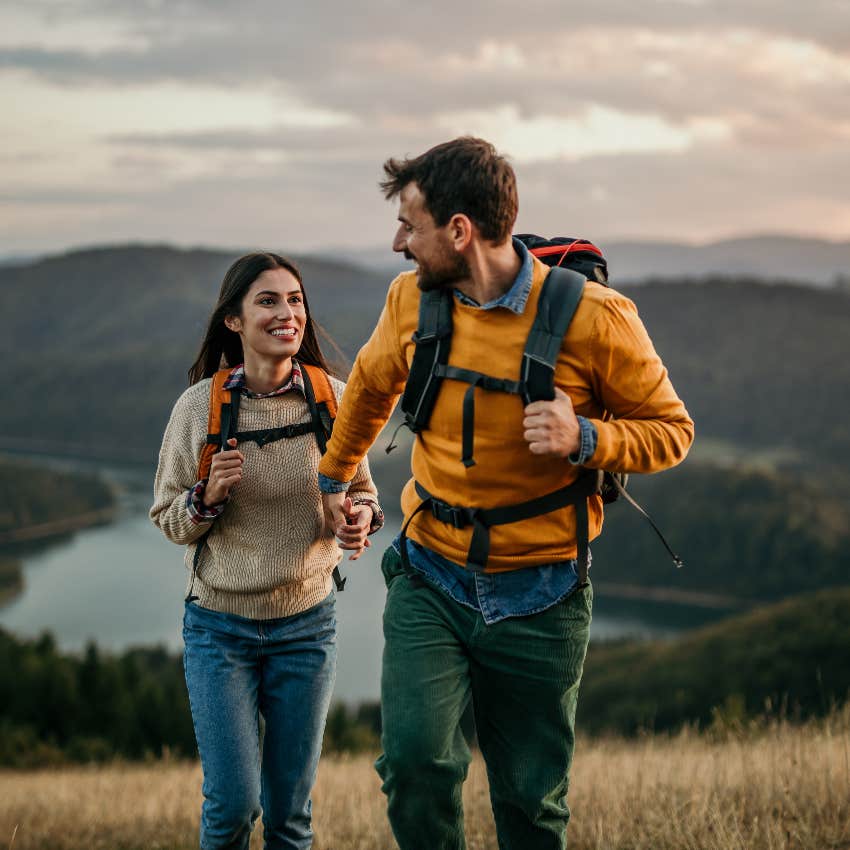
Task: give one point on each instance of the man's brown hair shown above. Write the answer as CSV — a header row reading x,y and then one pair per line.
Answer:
x,y
466,176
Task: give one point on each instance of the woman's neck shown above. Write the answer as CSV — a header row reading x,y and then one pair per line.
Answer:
x,y
265,376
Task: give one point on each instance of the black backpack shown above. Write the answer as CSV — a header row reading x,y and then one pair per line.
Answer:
x,y
572,261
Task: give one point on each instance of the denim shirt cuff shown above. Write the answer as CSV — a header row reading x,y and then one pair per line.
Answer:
x,y
587,446
331,485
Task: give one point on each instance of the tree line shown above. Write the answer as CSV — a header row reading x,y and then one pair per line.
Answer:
x,y
61,707
791,659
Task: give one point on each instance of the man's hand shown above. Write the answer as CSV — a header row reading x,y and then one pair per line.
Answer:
x,y
349,523
551,427
225,474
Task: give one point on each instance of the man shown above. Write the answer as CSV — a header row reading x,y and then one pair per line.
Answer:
x,y
511,633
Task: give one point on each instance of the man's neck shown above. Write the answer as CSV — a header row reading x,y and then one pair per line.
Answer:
x,y
493,271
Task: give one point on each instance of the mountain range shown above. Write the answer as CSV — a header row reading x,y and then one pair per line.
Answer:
x,y
99,342
817,262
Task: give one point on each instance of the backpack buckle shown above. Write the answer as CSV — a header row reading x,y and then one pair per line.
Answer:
x,y
449,514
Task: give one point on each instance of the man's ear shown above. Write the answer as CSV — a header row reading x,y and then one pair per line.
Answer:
x,y
233,323
461,230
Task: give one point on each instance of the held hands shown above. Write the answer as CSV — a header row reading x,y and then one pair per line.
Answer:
x,y
225,474
350,523
551,427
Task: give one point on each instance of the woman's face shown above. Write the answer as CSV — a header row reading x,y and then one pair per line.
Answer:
x,y
273,317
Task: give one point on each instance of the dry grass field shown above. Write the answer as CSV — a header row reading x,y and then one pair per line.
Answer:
x,y
780,787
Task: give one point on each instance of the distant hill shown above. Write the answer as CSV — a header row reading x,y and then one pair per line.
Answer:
x,y
759,366
752,536
817,262
99,341
786,258
793,657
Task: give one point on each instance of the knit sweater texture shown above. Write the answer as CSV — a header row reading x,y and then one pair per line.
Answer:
x,y
266,556
607,366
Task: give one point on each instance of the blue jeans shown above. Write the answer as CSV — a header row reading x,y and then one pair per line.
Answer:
x,y
236,671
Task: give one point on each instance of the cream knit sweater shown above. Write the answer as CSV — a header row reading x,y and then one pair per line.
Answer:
x,y
266,555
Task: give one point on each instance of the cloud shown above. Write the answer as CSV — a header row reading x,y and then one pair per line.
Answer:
x,y
673,116
734,79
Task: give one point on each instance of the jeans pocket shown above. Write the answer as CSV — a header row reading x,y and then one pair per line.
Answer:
x,y
584,601
189,618
577,607
391,565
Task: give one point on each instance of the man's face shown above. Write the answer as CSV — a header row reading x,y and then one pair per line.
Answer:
x,y
438,265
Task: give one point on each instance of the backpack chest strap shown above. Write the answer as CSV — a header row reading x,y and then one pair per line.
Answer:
x,y
474,379
264,436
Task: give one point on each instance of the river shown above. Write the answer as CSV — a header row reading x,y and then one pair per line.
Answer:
x,y
122,585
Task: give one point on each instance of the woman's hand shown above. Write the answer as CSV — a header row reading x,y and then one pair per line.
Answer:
x,y
225,474
351,534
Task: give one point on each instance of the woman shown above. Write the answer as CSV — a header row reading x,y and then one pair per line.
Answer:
x,y
259,625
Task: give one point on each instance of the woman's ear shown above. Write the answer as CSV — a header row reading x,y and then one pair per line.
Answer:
x,y
233,323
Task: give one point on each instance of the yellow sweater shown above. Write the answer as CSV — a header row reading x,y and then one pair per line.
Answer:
x,y
607,366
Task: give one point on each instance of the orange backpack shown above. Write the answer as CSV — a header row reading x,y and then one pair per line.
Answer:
x,y
224,416
222,426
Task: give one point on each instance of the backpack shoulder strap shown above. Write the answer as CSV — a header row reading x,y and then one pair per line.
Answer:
x,y
221,420
321,401
323,392
559,298
433,338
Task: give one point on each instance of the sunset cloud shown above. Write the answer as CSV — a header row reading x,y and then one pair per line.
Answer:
x,y
197,121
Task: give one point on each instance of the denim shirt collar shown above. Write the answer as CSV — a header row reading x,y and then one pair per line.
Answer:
x,y
515,298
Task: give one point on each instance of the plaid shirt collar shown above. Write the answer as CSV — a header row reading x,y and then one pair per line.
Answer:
x,y
236,381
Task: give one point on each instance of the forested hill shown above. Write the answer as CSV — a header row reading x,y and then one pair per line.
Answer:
x,y
765,366
98,343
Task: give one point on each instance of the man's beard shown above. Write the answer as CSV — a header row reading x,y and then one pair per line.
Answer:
x,y
451,269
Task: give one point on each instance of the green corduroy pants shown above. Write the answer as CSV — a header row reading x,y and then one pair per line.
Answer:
x,y
522,675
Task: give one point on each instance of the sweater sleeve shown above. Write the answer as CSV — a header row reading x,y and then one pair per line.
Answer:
x,y
177,470
362,489
650,429
376,382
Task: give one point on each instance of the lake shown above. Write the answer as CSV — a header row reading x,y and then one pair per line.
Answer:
x,y
123,584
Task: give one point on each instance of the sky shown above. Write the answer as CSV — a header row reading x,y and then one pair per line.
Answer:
x,y
263,124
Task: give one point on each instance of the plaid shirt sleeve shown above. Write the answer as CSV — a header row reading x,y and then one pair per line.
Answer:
x,y
200,513
377,514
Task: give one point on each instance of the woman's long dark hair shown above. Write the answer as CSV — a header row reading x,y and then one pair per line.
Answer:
x,y
222,347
